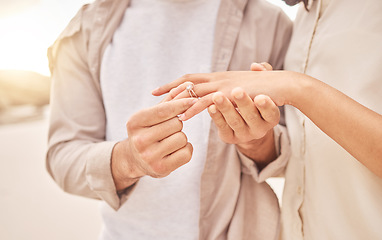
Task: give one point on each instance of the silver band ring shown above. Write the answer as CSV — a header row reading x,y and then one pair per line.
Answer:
x,y
190,89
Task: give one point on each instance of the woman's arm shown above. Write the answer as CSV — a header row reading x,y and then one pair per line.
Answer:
x,y
353,126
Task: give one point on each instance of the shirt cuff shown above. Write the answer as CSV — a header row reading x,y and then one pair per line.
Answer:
x,y
99,176
276,167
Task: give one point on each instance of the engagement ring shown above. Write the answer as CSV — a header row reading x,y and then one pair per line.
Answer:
x,y
190,89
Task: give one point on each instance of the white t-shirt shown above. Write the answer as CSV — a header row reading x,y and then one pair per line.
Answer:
x,y
157,42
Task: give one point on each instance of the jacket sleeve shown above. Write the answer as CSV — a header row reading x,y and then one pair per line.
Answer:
x,y
277,167
78,156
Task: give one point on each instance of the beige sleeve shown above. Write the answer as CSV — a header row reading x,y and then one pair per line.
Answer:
x,y
78,156
277,167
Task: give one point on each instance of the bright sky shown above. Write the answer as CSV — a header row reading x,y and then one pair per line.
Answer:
x,y
29,27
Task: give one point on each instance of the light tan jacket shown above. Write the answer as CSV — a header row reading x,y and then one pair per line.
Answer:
x,y
236,203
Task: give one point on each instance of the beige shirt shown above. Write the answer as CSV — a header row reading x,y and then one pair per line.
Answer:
x,y
328,193
235,201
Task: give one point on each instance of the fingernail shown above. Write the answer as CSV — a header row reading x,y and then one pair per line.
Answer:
x,y
219,99
261,103
261,66
239,95
212,109
155,90
182,117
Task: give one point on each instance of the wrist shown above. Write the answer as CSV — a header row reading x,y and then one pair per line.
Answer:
x,y
262,151
122,172
296,86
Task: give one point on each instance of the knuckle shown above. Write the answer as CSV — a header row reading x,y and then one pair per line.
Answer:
x,y
276,116
253,118
172,93
267,117
204,101
272,118
259,132
246,138
139,142
179,124
218,75
130,125
227,138
236,123
174,125
160,169
147,156
135,120
185,104
221,124
223,107
186,156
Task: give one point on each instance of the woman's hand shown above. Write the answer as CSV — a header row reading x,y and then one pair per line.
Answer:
x,y
270,83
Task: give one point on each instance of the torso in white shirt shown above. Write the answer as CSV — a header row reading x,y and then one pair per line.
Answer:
x,y
157,42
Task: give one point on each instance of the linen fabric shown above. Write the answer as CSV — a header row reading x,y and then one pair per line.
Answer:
x,y
329,194
235,202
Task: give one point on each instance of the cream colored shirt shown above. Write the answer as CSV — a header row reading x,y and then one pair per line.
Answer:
x,y
328,193
235,202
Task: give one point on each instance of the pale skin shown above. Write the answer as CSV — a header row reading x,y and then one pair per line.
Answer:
x,y
156,145
353,126
248,124
249,127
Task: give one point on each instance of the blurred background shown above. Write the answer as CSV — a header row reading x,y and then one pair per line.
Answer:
x,y
32,206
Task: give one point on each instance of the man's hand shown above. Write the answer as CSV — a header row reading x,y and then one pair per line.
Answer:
x,y
252,119
155,146
250,125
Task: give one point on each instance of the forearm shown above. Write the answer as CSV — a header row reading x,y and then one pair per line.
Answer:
x,y
68,173
356,128
83,168
78,156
